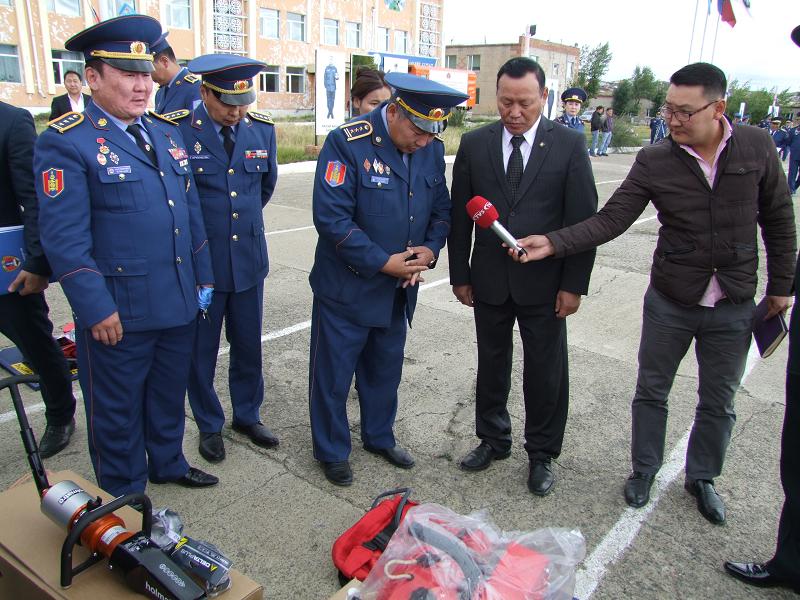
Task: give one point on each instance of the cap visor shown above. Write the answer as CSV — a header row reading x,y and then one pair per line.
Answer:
x,y
133,65
239,99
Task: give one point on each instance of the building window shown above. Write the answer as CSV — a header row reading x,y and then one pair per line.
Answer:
x,y
9,64
269,23
401,42
179,14
68,8
297,26
5,2
533,57
555,69
430,27
474,62
353,34
383,39
117,8
477,95
450,61
296,80
64,61
230,27
570,70
330,32
268,79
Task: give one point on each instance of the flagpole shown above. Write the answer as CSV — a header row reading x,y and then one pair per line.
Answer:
x,y
714,47
703,43
691,39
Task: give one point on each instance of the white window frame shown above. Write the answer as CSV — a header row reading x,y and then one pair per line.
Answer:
x,y
382,41
353,28
291,74
293,23
61,64
111,8
330,26
267,17
271,70
474,62
68,8
5,52
176,7
401,42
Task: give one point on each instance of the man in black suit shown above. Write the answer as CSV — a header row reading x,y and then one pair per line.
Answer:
x,y
538,176
74,100
23,310
784,567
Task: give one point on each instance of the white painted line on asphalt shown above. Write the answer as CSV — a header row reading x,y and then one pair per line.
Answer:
x,y
431,284
12,416
276,205
292,230
644,220
624,532
609,181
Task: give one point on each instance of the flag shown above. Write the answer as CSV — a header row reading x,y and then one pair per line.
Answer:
x,y
726,12
94,12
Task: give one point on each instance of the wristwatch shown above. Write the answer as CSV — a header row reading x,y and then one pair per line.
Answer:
x,y
432,263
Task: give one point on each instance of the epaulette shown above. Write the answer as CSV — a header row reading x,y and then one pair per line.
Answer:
x,y
263,117
174,115
356,130
67,121
191,78
167,118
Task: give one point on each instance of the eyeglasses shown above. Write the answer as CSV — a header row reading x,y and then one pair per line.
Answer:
x,y
683,116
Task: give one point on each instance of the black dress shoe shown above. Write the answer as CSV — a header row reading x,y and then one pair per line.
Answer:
x,y
397,456
338,473
757,574
194,478
258,433
709,503
55,439
481,457
541,478
637,488
212,448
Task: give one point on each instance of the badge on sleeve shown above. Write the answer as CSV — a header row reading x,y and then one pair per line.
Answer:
x,y
53,182
334,174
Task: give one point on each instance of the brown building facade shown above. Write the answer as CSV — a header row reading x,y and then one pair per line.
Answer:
x,y
559,61
283,33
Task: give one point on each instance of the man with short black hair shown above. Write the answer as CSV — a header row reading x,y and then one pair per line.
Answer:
x,y
178,89
74,100
711,185
596,125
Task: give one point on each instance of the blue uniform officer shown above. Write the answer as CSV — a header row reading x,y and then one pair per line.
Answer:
x,y
573,99
232,154
382,212
178,89
122,228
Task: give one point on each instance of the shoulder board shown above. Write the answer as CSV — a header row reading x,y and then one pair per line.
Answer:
x,y
67,121
263,117
173,115
167,118
191,78
356,130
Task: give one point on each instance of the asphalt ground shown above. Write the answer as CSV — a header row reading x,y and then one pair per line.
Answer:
x,y
276,516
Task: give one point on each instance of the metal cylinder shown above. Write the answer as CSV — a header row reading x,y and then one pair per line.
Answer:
x,y
62,501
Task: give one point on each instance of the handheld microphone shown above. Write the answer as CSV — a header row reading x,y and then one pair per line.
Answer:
x,y
485,216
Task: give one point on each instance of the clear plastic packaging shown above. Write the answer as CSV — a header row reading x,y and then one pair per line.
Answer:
x,y
437,554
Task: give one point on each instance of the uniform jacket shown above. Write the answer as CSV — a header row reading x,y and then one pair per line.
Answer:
x,y
557,189
183,93
367,205
120,234
564,120
233,193
17,136
793,144
704,230
61,105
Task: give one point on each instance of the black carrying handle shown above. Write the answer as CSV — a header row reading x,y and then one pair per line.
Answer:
x,y
399,513
454,548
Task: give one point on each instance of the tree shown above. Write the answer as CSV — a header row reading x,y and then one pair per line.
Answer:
x,y
593,65
643,85
659,95
757,102
624,102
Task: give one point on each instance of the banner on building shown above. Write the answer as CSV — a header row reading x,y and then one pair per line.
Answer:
x,y
330,91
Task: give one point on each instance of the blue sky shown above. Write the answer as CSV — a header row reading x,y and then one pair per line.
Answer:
x,y
757,49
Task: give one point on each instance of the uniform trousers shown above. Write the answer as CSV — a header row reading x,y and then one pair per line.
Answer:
x,y
242,313
340,348
545,376
24,320
722,339
134,396
786,562
794,174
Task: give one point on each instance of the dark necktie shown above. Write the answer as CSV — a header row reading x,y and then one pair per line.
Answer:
x,y
514,169
136,131
227,140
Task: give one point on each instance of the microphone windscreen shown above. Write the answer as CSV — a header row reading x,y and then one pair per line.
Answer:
x,y
482,212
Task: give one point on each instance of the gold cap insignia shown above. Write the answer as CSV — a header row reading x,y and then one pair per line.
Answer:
x,y
240,86
138,47
436,113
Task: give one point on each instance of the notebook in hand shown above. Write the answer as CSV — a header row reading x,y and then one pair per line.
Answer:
x,y
770,333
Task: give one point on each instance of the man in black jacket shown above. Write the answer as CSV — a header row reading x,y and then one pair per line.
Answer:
x,y
74,100
23,310
596,126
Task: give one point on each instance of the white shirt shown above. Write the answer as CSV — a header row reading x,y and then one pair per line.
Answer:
x,y
524,147
76,106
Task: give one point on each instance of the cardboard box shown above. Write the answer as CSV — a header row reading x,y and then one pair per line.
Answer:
x,y
342,593
30,551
